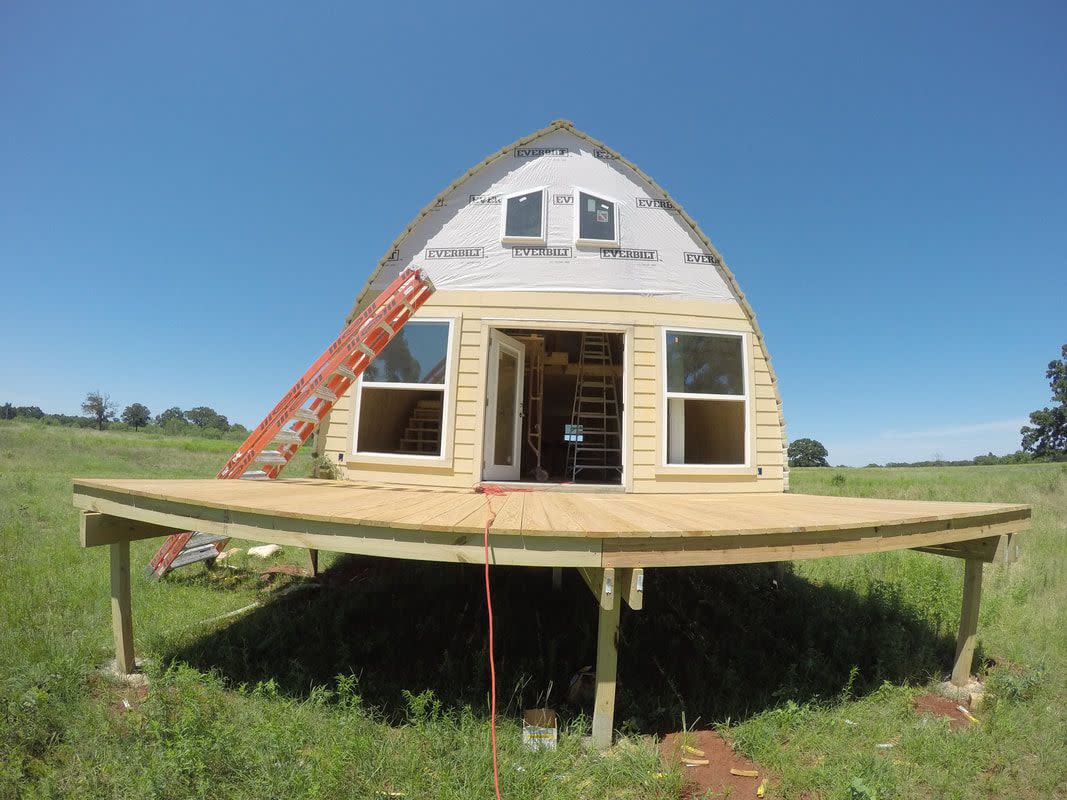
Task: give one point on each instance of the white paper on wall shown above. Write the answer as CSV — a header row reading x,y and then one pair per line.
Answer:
x,y
458,244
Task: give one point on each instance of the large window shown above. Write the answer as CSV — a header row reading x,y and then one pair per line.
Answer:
x,y
705,378
524,218
597,220
400,404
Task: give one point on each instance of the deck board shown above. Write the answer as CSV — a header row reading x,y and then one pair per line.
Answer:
x,y
613,528
546,512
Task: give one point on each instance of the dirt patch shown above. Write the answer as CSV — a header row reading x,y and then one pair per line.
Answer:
x,y
282,569
937,706
713,779
120,700
128,699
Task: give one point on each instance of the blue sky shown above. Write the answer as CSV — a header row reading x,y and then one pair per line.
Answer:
x,y
192,195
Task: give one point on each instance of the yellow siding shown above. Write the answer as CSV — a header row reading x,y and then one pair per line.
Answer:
x,y
641,317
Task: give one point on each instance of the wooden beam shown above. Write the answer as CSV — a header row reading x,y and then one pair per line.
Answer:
x,y
757,548
968,633
313,562
419,545
100,529
601,583
607,659
630,586
1002,549
121,610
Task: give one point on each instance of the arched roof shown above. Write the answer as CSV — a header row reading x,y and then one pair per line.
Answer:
x,y
566,125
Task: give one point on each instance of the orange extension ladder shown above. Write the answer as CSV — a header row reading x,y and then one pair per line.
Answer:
x,y
328,378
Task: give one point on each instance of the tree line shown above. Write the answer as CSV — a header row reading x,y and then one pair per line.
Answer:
x,y
102,413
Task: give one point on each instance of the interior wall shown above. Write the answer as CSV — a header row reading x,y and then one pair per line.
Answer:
x,y
559,394
714,432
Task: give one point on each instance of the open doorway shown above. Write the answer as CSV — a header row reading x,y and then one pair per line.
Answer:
x,y
554,406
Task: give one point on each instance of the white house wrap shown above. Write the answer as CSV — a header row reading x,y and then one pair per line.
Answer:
x,y
458,243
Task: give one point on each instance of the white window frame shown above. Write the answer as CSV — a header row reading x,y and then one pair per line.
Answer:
x,y
578,240
446,417
666,395
535,240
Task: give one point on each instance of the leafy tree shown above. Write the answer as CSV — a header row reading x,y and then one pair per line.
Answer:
x,y
395,363
136,415
174,413
29,412
175,427
807,453
7,411
205,417
100,408
1046,435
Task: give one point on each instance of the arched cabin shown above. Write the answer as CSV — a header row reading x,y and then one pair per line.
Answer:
x,y
583,333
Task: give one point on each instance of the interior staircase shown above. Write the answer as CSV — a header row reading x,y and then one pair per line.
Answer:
x,y
422,436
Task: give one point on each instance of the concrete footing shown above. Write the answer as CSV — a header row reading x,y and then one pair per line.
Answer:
x,y
111,670
970,694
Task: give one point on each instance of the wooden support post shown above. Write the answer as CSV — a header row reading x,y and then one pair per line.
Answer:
x,y
313,562
121,612
607,659
631,587
557,578
968,635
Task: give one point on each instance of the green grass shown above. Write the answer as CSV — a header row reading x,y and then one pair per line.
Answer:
x,y
376,681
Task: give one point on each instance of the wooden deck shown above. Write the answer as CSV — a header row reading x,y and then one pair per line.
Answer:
x,y
610,538
566,529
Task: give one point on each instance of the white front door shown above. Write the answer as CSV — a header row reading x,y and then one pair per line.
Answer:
x,y
501,451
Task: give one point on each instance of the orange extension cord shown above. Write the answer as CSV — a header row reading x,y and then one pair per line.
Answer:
x,y
490,491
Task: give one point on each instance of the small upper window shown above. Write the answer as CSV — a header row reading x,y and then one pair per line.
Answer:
x,y
524,218
597,220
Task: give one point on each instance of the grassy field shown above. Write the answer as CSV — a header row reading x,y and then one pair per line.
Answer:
x,y
374,682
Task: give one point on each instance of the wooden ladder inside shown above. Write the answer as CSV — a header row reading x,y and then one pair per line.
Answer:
x,y
299,413
594,437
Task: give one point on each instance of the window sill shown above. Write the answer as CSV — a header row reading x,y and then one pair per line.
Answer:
x,y
610,243
697,470
364,460
524,241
